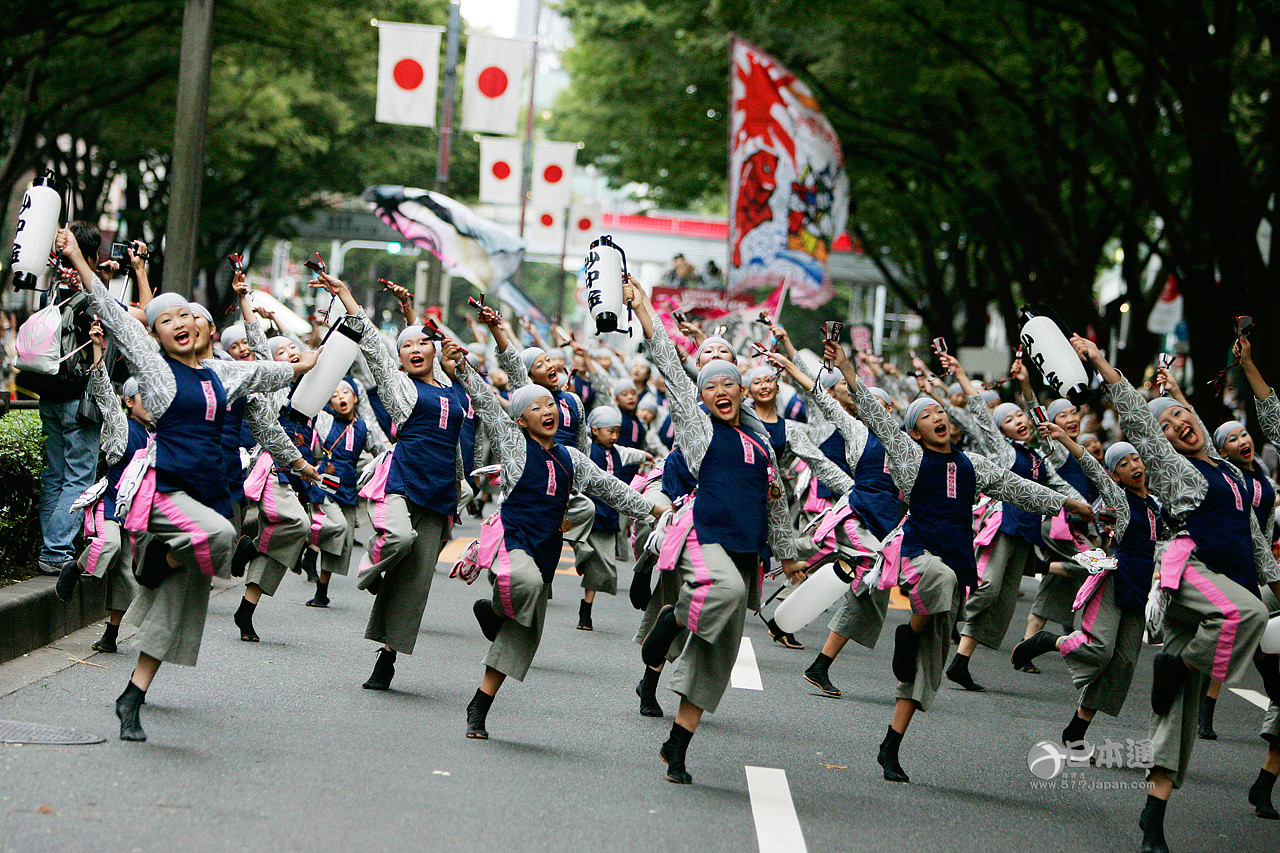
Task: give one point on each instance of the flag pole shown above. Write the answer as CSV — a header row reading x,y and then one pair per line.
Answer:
x,y
728,184
526,170
435,270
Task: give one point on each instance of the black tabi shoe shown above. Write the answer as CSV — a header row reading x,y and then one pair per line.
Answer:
x,y
584,616
153,568
1205,731
1170,673
244,621
641,590
1151,822
245,551
384,669
1269,668
108,642
958,672
647,690
490,620
1039,643
673,752
785,638
658,642
68,577
321,598
887,758
816,675
477,714
1260,796
906,650
127,706
309,557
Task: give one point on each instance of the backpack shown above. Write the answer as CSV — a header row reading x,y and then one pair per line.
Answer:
x,y
53,346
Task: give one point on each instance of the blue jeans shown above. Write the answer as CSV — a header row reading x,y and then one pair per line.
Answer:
x,y
70,467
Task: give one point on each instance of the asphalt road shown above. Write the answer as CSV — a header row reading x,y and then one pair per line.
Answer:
x,y
274,746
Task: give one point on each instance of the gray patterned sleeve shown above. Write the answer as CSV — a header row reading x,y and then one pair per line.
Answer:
x,y
631,455
1269,418
1268,571
505,437
589,479
854,431
249,377
584,431
1060,485
1111,491
1176,481
256,338
394,387
904,454
156,382
115,427
987,438
1004,485
781,540
692,425
827,472
265,427
509,360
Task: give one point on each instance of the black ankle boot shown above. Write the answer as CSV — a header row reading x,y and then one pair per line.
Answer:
x,y
1269,668
1032,647
1075,730
1169,674
1151,822
658,643
673,752
647,690
309,557
153,567
817,675
108,641
68,577
1260,796
888,757
490,620
1206,732
244,621
384,669
321,598
584,616
127,706
245,551
906,650
477,713
959,673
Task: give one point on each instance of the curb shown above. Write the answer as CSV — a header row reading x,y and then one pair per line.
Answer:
x,y
31,615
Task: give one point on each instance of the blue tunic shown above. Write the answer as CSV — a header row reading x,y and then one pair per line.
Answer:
x,y
1220,526
189,438
797,410
667,433
610,461
303,436
731,509
677,480
834,449
1078,479
467,438
633,432
535,507
941,515
423,466
138,438
875,496
380,413
583,389
233,426
341,448
567,432
1262,495
1018,522
1136,551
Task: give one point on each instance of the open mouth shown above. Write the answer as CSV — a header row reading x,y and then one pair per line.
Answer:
x,y
1139,476
294,359
417,361
182,338
549,422
1022,432
1189,434
941,431
724,406
553,375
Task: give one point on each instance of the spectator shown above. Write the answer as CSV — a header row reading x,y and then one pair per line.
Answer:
x,y
71,425
682,272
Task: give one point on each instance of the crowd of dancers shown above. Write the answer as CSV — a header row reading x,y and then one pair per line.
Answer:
x,y
714,472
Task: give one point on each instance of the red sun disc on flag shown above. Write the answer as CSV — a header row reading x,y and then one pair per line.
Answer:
x,y
552,174
584,224
547,220
501,170
492,82
408,74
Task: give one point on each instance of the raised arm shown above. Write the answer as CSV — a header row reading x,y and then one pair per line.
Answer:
x,y
509,360
156,382
1004,485
249,377
589,479
115,426
265,427
501,427
827,472
903,454
692,424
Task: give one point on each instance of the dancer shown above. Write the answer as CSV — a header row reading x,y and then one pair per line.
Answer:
x,y
1210,571
737,515
1002,437
180,500
1103,653
521,542
930,555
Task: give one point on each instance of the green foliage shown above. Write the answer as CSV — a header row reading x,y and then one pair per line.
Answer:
x,y
21,461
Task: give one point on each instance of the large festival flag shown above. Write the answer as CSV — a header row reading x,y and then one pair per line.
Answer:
x,y
408,62
788,190
500,170
491,84
473,247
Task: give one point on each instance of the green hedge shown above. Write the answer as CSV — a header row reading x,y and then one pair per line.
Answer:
x,y
21,461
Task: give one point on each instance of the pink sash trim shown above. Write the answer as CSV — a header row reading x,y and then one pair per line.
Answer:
x,y
813,503
493,552
830,520
680,529
1173,562
95,524
376,488
892,554
140,508
256,483
1059,529
1087,588
491,536
990,526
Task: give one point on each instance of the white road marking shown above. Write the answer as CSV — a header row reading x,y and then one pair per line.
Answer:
x,y
746,675
777,827
1253,696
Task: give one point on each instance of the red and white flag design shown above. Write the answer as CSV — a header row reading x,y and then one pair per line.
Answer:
x,y
408,65
491,84
544,229
500,167
552,183
584,226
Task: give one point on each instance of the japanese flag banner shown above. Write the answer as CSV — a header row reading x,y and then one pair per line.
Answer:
x,y
408,65
491,84
552,183
501,163
584,226
788,190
